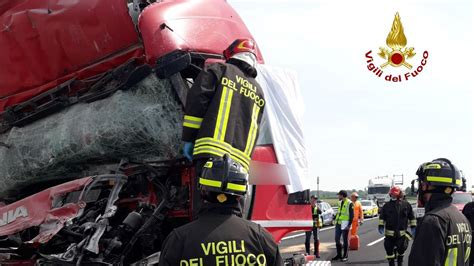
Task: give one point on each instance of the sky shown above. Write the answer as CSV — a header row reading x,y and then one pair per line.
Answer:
x,y
357,125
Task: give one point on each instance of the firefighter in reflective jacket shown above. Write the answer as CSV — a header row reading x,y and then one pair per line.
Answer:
x,y
317,223
224,108
443,236
468,211
394,219
221,236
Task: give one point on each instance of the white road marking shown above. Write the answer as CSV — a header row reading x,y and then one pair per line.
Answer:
x,y
293,236
322,230
319,263
375,242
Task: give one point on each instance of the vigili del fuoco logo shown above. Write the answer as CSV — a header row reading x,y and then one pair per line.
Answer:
x,y
396,55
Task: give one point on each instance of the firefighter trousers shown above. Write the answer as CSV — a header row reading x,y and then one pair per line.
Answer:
x,y
395,248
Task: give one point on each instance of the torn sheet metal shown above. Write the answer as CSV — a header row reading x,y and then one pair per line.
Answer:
x,y
34,210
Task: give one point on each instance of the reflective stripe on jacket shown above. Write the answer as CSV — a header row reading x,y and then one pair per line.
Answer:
x,y
396,216
223,111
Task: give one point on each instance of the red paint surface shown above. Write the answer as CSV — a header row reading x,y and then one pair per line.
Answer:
x,y
271,200
40,209
206,26
52,41
44,43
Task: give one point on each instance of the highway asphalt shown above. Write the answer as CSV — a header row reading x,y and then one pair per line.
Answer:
x,y
371,251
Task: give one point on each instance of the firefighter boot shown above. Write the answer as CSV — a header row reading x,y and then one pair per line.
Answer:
x,y
391,262
316,249
400,261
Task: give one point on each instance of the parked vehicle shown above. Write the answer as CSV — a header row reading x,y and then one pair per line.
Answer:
x,y
369,208
461,198
328,213
378,189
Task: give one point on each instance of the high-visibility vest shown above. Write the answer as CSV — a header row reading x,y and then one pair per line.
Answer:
x,y
343,213
320,221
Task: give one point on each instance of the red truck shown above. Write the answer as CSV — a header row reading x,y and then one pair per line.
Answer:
x,y
57,55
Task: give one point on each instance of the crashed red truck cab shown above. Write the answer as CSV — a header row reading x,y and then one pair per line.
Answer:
x,y
63,57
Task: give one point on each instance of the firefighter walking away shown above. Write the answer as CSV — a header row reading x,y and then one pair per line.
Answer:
x,y
443,236
220,236
395,217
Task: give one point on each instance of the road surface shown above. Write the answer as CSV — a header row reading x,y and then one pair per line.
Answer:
x,y
371,251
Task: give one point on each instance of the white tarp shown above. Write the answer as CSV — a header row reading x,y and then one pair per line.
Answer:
x,y
284,117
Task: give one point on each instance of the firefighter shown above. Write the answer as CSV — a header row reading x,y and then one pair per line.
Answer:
x,y
394,219
223,110
468,211
220,236
344,217
317,223
358,213
443,236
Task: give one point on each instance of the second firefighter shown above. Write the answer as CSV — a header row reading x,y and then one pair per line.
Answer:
x,y
395,217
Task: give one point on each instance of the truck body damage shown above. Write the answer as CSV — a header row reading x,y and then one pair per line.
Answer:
x,y
91,107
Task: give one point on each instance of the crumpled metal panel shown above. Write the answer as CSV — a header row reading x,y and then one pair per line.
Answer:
x,y
33,210
42,41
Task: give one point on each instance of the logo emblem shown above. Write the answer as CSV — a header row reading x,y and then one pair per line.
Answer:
x,y
397,55
397,41
10,216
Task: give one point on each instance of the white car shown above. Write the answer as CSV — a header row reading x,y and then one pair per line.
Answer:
x,y
327,213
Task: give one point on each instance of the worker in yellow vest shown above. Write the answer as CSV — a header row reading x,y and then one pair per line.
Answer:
x,y
317,223
344,217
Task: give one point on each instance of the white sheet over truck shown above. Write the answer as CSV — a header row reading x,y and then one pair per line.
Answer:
x,y
283,115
